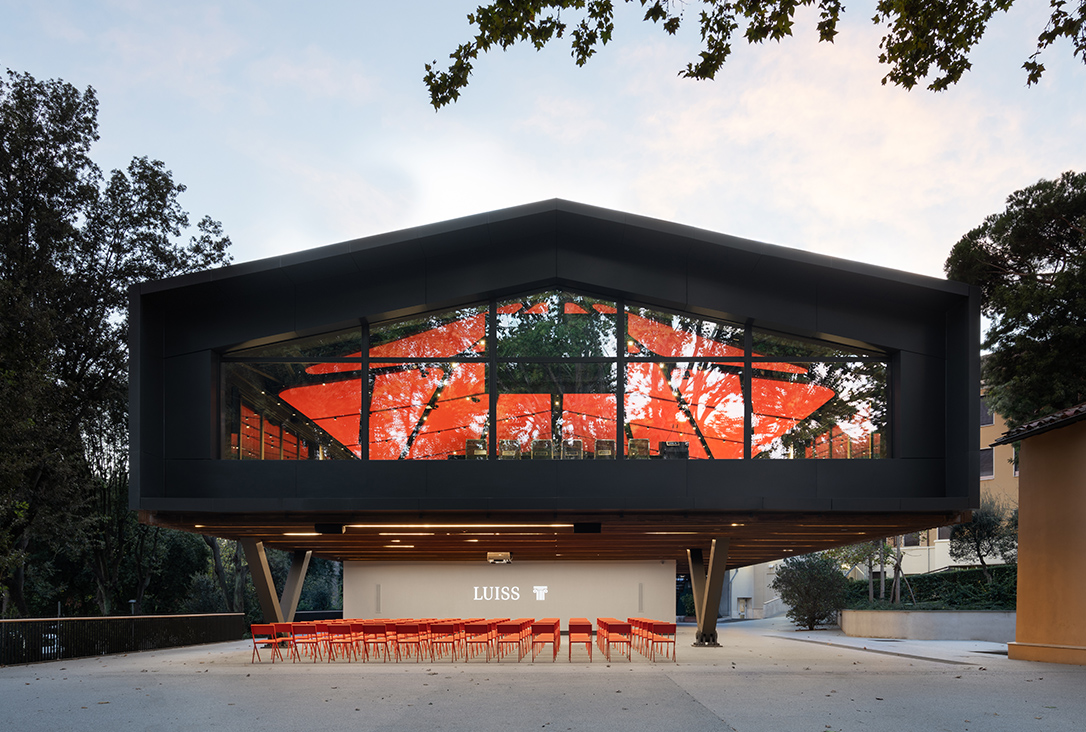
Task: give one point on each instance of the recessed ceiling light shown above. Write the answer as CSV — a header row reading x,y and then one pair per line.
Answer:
x,y
460,526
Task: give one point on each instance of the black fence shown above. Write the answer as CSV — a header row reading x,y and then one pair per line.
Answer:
x,y
50,639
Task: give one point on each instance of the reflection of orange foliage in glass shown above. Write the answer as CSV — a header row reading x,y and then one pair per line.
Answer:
x,y
334,406
654,412
524,417
459,414
779,406
451,339
589,417
714,400
664,340
712,396
399,399
838,444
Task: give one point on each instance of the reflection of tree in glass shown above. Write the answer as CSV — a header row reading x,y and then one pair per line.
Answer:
x,y
556,324
445,334
682,334
533,398
856,412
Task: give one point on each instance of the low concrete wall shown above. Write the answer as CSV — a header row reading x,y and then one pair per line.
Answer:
x,y
980,625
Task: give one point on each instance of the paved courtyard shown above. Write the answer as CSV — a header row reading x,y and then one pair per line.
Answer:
x,y
766,676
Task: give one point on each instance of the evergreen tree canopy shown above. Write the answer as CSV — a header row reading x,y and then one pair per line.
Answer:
x,y
1030,263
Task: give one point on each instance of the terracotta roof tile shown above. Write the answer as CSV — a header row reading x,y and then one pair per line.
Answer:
x,y
1053,421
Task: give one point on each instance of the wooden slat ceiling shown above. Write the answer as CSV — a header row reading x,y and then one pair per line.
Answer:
x,y
754,537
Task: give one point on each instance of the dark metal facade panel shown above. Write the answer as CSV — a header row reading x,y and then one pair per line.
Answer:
x,y
337,478
913,478
800,503
151,480
477,266
742,285
880,312
191,391
560,485
617,258
930,328
390,480
919,406
947,505
962,399
188,479
866,505
216,315
390,280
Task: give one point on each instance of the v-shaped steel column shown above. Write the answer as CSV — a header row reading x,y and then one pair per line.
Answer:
x,y
292,591
707,588
275,610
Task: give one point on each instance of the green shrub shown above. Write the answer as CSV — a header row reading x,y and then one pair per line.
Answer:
x,y
964,589
813,588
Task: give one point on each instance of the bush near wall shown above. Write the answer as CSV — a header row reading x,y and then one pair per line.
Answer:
x,y
964,589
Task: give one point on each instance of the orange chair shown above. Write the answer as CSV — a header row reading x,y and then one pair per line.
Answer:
x,y
284,636
602,628
444,635
641,634
618,635
408,635
264,634
546,631
509,636
340,636
375,640
580,631
307,640
357,637
663,635
477,635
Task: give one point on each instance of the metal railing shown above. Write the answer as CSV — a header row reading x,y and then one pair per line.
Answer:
x,y
49,639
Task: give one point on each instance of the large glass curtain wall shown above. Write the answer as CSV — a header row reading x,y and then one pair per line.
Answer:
x,y
553,375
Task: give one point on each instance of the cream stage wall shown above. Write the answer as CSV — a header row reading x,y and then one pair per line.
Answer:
x,y
518,590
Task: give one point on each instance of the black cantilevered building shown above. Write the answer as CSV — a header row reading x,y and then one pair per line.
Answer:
x,y
625,387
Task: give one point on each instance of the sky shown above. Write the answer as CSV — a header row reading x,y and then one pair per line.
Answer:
x,y
299,125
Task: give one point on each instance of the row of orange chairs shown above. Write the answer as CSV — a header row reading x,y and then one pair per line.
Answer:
x,y
636,634
365,640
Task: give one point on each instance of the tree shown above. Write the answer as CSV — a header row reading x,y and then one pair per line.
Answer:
x,y
921,40
868,554
1030,264
70,247
992,533
813,587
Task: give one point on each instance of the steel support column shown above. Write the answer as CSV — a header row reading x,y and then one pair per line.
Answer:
x,y
292,592
262,580
707,588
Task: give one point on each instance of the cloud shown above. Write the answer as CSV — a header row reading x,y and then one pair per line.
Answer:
x,y
799,143
315,73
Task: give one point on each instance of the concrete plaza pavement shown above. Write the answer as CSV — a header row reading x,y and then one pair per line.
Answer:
x,y
765,676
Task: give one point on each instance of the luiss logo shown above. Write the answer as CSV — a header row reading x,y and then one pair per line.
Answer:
x,y
493,592
497,593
